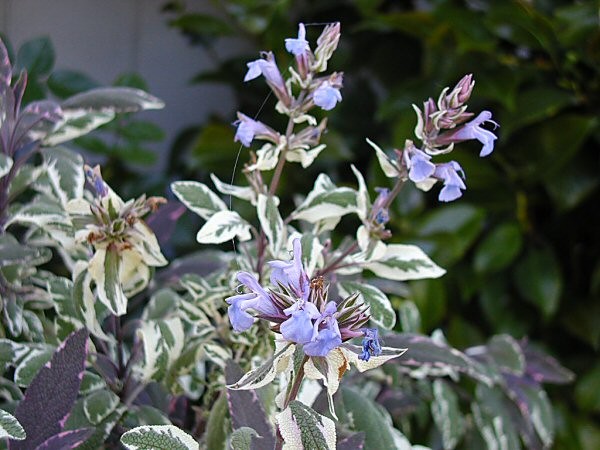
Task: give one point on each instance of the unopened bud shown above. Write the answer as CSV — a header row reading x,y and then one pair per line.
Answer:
x,y
326,45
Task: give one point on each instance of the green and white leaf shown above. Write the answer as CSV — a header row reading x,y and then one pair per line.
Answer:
x,y
6,163
271,222
280,362
63,176
40,212
410,318
104,268
222,227
217,353
163,342
84,302
303,156
363,202
389,169
405,262
28,368
312,252
158,437
506,353
329,369
198,198
99,405
267,156
352,353
326,200
381,310
241,192
112,99
493,420
10,427
446,414
75,123
241,439
303,428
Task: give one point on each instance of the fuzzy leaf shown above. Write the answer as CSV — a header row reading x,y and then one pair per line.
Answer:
x,y
10,427
303,428
216,435
198,198
99,405
64,374
158,437
224,226
264,374
241,439
380,306
271,222
246,410
66,439
405,262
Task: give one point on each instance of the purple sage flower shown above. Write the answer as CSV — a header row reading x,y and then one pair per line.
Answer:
x,y
94,177
370,344
327,338
267,67
453,183
299,45
299,328
420,166
258,299
248,129
327,96
379,210
473,130
291,273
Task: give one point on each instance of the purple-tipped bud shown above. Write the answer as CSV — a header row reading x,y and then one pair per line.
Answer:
x,y
462,91
94,177
326,45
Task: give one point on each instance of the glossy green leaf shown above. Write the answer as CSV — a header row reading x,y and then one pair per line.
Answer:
x,y
36,56
498,249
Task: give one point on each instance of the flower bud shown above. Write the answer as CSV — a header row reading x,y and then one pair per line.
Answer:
x,y
326,45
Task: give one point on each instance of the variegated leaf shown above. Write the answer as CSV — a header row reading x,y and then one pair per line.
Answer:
x,y
271,222
63,177
241,192
158,437
352,352
304,157
330,369
326,200
303,428
99,405
28,368
381,310
163,342
263,375
40,212
222,227
84,302
6,163
446,414
267,157
311,252
405,262
389,169
363,202
10,427
104,268
75,123
198,198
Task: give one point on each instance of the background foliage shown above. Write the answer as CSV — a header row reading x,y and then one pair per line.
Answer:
x,y
521,246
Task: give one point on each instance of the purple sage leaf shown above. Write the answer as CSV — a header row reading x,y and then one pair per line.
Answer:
x,y
246,410
47,404
66,439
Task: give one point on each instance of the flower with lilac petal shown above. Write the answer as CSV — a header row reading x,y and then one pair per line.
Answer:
x,y
258,299
420,166
473,130
299,45
453,183
254,70
379,210
248,128
299,327
292,273
327,96
94,177
370,344
329,337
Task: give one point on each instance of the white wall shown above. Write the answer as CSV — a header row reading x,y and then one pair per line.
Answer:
x,y
105,38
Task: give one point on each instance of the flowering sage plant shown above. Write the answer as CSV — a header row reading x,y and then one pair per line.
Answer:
x,y
299,311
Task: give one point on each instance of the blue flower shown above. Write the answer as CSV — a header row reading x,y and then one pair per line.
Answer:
x,y
472,130
291,273
370,344
248,128
453,183
299,327
258,299
298,45
420,166
94,177
329,337
327,96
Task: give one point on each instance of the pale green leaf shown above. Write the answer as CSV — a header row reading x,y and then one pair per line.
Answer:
x,y
198,198
385,163
381,310
99,405
241,439
10,427
405,262
271,222
222,227
158,437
